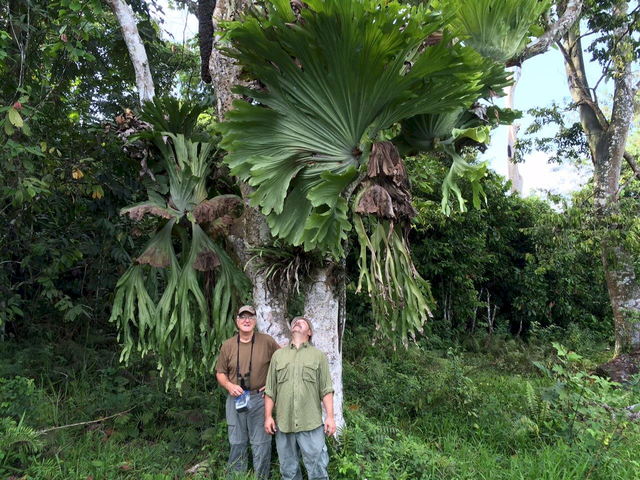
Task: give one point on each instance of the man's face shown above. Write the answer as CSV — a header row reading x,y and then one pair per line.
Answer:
x,y
246,322
302,327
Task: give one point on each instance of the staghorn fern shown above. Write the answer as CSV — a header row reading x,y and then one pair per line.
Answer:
x,y
331,76
334,76
497,29
186,322
445,133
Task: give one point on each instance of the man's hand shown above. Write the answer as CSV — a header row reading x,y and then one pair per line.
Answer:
x,y
329,426
235,390
270,425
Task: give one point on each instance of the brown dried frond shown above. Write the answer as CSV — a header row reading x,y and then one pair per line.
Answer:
x,y
206,260
387,170
376,201
136,213
155,257
217,207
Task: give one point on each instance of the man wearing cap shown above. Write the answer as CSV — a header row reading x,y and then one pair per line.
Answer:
x,y
298,382
242,369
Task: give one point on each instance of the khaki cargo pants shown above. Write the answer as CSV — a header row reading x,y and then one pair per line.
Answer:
x,y
248,428
314,454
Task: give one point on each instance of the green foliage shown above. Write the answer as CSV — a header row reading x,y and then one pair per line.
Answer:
x,y
412,414
497,29
400,297
178,317
539,266
17,441
594,406
15,396
301,143
65,72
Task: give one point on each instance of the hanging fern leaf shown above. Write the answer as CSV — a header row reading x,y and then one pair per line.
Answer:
x,y
173,317
400,297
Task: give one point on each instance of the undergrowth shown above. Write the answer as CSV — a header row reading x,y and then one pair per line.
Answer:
x,y
502,409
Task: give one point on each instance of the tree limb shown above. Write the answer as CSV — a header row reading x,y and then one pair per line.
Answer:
x,y
192,6
137,52
205,36
556,31
47,430
593,121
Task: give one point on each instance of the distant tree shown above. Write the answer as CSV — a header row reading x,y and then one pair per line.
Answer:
x,y
603,134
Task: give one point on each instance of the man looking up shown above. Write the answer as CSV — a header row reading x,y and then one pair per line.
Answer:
x,y
298,381
242,369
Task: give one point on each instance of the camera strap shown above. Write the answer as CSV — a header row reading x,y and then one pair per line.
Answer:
x,y
248,374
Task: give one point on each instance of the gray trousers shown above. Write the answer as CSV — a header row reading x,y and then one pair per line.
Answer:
x,y
244,428
314,454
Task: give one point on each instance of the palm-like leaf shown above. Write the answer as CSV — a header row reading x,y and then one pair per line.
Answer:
x,y
334,77
497,29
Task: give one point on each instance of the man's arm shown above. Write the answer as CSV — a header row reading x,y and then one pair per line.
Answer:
x,y
223,380
269,423
329,422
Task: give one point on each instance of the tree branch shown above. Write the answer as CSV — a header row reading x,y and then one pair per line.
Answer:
x,y
593,121
137,52
47,430
192,6
556,31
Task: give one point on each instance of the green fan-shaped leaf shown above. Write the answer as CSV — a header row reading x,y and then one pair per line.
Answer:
x,y
333,77
498,29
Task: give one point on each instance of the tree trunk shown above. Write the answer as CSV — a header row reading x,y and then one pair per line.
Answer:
x,y
322,307
325,298
271,304
514,173
607,140
622,283
137,53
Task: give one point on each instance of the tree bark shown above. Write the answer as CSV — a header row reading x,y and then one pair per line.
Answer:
x,y
607,140
322,307
325,297
137,52
271,304
556,31
512,135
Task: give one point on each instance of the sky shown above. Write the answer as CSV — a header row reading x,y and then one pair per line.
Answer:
x,y
542,82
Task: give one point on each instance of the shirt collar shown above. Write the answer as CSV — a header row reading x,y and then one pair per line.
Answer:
x,y
304,345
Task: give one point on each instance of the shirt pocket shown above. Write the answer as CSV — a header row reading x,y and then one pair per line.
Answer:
x,y
310,373
282,373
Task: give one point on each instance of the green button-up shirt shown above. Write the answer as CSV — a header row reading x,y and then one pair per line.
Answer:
x,y
297,381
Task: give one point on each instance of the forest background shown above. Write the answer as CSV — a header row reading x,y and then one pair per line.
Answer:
x,y
501,384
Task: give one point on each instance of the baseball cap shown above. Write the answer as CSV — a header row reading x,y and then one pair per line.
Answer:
x,y
246,308
306,320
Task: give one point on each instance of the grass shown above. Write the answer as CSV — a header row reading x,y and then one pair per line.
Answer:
x,y
425,413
